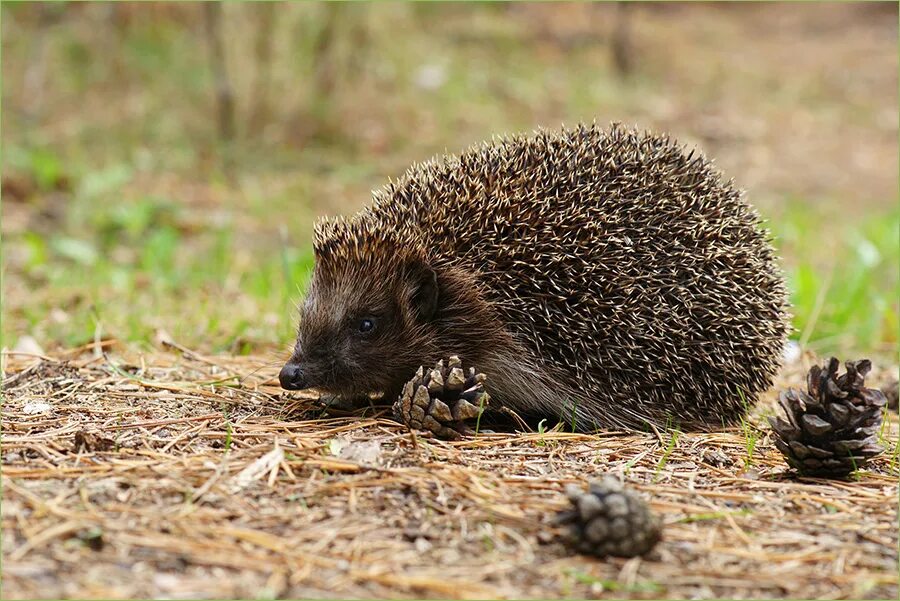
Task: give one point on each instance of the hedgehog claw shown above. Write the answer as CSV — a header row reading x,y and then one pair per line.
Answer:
x,y
441,399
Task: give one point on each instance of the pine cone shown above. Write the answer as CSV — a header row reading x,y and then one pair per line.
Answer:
x,y
609,520
832,429
442,398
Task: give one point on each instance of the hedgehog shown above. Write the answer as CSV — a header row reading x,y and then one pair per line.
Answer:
x,y
608,278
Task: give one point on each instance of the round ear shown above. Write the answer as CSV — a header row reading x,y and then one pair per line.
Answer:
x,y
423,283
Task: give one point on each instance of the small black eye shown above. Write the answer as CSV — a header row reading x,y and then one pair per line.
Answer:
x,y
366,325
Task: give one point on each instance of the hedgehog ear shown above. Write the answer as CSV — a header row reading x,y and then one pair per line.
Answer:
x,y
424,285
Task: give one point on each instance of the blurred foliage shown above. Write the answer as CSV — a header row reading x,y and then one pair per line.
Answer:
x,y
125,209
847,295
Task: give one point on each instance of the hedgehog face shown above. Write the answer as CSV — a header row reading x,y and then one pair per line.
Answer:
x,y
358,326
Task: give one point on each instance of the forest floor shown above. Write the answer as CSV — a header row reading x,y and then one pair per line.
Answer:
x,y
171,474
135,467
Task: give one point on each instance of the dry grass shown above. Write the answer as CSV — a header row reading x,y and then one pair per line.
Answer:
x,y
172,474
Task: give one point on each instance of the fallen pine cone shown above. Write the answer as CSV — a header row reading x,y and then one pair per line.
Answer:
x,y
609,520
832,429
442,399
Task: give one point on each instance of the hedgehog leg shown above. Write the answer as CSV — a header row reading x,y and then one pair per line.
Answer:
x,y
443,400
344,403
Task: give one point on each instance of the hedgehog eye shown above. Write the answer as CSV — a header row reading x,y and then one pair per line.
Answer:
x,y
366,325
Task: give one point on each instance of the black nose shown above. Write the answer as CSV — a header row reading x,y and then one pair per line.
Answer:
x,y
291,377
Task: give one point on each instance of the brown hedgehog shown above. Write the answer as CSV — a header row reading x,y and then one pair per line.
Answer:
x,y
607,278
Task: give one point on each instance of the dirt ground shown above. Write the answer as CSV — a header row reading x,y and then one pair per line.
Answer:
x,y
170,474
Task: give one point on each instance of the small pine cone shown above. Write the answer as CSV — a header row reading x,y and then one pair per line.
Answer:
x,y
442,399
832,429
609,520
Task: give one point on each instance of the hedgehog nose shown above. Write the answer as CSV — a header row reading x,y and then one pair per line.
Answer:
x,y
292,377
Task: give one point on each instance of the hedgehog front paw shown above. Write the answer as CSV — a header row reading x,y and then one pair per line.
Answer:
x,y
441,399
339,404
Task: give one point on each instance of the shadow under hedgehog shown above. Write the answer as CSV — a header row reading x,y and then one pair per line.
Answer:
x,y
605,277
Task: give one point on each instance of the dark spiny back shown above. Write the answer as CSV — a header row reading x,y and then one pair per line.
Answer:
x,y
615,254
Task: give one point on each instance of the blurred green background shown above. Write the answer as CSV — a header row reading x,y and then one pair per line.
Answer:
x,y
162,163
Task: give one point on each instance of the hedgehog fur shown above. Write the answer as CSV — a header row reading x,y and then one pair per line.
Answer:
x,y
607,277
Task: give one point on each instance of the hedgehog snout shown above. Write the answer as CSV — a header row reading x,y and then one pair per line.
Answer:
x,y
292,377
